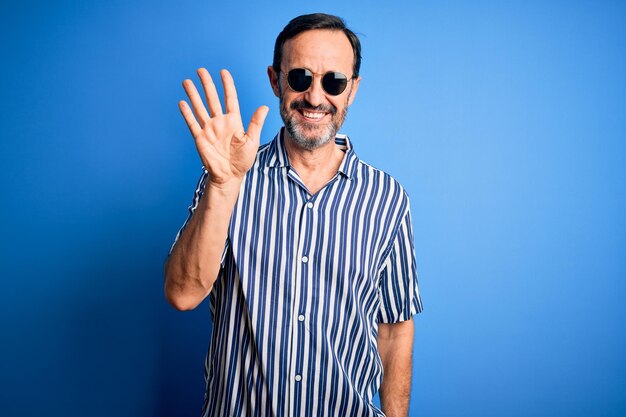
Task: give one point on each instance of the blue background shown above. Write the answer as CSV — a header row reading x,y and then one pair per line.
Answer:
x,y
505,121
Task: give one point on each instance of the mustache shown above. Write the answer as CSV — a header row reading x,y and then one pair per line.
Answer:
x,y
305,105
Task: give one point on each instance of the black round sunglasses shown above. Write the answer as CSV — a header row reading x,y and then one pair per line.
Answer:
x,y
333,82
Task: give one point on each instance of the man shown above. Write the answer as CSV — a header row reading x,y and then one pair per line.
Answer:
x,y
305,252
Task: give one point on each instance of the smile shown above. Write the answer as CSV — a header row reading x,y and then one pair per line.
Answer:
x,y
312,115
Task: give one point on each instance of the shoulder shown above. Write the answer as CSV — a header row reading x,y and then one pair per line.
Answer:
x,y
264,148
271,154
263,155
369,174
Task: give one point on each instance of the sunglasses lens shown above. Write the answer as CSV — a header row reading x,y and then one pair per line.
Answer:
x,y
334,83
300,79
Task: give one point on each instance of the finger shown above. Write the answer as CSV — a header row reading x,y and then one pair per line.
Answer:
x,y
256,123
212,98
191,121
230,92
196,102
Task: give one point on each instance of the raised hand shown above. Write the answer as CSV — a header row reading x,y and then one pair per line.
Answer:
x,y
226,149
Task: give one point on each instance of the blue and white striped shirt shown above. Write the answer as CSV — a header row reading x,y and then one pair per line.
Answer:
x,y
305,280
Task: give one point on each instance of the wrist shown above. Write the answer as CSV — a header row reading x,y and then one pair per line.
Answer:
x,y
222,195
226,188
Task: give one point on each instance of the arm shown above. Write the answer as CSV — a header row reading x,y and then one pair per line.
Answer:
x,y
227,152
194,263
395,345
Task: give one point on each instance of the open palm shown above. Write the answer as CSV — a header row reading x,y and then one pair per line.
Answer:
x,y
226,149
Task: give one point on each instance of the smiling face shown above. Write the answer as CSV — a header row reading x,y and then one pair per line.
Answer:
x,y
313,117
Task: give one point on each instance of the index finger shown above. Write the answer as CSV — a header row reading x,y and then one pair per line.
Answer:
x,y
230,92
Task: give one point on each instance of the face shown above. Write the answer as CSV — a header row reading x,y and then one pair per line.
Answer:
x,y
313,117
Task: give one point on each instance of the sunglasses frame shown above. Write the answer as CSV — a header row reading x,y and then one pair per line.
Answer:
x,y
313,74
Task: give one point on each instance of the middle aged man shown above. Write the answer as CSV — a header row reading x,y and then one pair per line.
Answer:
x,y
305,251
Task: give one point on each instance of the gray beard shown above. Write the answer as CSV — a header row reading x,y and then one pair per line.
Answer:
x,y
298,131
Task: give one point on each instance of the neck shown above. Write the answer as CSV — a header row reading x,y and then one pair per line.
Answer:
x,y
315,166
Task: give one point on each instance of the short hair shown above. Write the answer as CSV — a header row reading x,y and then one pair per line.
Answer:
x,y
316,21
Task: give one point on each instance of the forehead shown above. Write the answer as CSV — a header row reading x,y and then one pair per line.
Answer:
x,y
319,50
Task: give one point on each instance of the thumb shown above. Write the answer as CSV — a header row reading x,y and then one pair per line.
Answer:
x,y
256,123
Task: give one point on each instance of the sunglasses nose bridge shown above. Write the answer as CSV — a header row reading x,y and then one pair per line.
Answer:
x,y
315,92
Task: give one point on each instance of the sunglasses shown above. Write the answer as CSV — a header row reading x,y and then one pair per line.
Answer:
x,y
333,83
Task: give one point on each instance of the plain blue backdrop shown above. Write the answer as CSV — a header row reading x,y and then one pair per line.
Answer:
x,y
505,121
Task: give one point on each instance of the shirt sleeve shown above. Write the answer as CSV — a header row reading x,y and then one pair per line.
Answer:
x,y
197,195
398,291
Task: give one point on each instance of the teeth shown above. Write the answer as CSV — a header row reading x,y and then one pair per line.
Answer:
x,y
312,115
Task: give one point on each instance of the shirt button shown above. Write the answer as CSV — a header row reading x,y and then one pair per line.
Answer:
x,y
305,259
301,317
309,204
298,378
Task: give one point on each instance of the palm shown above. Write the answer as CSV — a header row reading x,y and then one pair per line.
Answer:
x,y
225,148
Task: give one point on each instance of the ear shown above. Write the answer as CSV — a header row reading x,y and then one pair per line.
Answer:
x,y
273,76
355,88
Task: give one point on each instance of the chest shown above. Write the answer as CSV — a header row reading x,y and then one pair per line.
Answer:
x,y
339,234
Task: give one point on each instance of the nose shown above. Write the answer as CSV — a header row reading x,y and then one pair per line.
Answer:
x,y
315,93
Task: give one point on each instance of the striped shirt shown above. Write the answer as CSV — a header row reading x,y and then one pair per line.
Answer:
x,y
305,280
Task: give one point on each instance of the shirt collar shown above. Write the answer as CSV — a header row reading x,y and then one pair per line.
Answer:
x,y
277,154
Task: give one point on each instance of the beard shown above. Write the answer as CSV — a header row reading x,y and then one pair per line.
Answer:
x,y
311,136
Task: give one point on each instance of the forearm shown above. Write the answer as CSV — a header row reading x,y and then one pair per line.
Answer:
x,y
395,345
194,264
